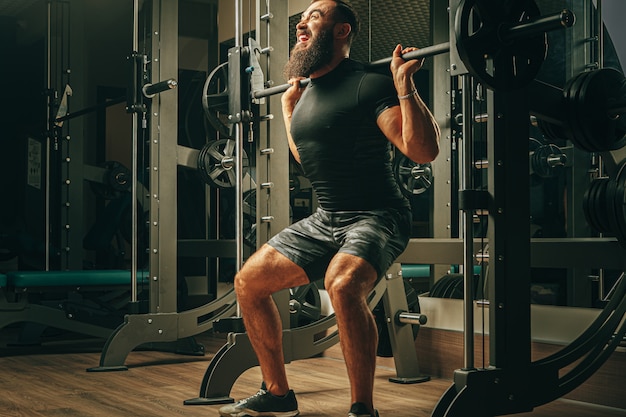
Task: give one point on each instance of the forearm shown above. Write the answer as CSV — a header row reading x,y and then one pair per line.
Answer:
x,y
292,145
420,131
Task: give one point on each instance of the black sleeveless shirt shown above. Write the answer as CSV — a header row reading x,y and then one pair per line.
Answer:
x,y
343,152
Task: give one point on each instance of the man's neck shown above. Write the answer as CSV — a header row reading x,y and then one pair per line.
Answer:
x,y
334,63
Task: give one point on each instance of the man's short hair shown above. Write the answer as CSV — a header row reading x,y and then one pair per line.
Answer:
x,y
345,12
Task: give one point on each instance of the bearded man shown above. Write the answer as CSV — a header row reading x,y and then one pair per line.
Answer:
x,y
340,128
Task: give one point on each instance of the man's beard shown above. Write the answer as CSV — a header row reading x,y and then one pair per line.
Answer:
x,y
303,63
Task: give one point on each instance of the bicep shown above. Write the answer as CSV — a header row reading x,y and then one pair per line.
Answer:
x,y
389,122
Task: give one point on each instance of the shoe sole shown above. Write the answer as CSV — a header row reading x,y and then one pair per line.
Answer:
x,y
252,413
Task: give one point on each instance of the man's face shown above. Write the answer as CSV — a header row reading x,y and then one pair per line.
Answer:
x,y
314,46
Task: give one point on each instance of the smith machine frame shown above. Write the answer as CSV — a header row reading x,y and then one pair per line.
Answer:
x,y
162,324
512,383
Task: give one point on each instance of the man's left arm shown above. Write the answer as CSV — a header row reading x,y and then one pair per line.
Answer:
x,y
411,126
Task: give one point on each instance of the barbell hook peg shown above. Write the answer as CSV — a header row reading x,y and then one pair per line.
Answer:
x,y
151,90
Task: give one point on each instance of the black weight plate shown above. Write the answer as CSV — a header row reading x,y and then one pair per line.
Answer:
x,y
600,88
606,204
410,182
115,181
437,290
610,208
305,306
456,288
597,209
215,100
619,199
444,287
497,64
588,206
552,131
212,165
570,93
577,116
605,214
594,135
572,112
539,161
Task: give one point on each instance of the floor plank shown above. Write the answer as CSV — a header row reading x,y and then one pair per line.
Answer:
x,y
51,380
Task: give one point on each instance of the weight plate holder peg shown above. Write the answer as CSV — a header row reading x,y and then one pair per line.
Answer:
x,y
413,178
497,61
216,163
215,100
546,160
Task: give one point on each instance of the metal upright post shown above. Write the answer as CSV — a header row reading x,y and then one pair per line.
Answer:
x,y
467,183
239,155
133,170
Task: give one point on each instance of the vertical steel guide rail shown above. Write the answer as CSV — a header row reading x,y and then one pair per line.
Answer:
x,y
48,122
600,59
133,170
238,165
467,175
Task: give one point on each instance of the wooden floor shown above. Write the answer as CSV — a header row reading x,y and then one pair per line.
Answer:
x,y
51,380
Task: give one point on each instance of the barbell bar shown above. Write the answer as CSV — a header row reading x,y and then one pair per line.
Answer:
x,y
562,19
425,52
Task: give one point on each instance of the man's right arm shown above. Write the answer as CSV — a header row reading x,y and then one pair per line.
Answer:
x,y
288,101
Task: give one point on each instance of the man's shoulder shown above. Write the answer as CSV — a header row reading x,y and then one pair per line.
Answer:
x,y
367,68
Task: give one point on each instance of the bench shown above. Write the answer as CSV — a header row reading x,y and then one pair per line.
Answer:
x,y
80,278
90,302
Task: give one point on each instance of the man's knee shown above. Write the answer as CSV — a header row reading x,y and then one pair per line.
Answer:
x,y
349,287
340,288
266,272
349,276
244,284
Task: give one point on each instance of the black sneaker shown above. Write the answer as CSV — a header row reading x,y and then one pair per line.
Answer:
x,y
360,410
263,403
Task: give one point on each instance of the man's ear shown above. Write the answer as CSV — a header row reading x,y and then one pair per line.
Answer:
x,y
342,30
